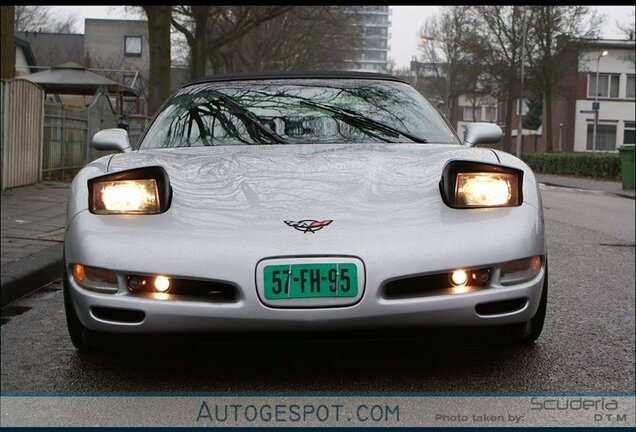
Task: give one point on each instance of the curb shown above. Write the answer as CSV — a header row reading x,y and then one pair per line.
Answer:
x,y
622,194
29,274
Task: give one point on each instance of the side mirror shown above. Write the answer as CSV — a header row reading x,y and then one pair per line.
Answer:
x,y
482,133
111,139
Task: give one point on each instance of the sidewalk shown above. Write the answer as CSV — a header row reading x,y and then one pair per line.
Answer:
x,y
33,221
614,187
32,237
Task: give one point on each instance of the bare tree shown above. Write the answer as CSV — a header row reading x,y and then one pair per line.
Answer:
x,y
159,50
456,70
7,42
208,29
42,19
304,38
495,39
552,31
628,27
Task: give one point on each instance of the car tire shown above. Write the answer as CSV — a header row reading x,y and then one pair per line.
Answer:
x,y
76,329
537,321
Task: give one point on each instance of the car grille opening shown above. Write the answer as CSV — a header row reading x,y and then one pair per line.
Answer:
x,y
185,289
127,316
501,307
432,285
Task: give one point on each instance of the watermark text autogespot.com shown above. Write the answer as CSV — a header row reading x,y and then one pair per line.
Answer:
x,y
298,413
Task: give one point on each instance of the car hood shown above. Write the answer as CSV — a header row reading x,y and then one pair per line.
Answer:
x,y
242,185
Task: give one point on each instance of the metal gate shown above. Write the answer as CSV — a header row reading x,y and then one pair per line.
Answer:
x,y
67,132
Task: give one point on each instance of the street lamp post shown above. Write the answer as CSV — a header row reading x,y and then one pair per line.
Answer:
x,y
596,110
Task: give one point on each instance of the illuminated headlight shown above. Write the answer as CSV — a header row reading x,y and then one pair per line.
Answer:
x,y
139,191
485,189
126,196
466,185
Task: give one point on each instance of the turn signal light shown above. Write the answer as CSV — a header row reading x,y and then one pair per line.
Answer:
x,y
518,271
94,278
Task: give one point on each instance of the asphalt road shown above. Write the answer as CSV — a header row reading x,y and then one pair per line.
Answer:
x,y
587,344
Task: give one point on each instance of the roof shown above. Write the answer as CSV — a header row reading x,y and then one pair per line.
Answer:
x,y
297,75
605,43
28,53
53,48
72,78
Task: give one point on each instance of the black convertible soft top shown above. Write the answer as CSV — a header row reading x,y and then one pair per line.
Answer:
x,y
292,75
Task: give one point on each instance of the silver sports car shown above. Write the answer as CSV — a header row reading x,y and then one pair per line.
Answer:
x,y
329,202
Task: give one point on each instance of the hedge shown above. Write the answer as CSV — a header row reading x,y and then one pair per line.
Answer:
x,y
600,165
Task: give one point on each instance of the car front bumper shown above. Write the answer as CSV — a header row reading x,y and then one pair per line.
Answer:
x,y
106,243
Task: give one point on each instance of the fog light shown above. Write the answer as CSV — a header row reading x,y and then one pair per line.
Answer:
x,y
459,277
162,284
480,277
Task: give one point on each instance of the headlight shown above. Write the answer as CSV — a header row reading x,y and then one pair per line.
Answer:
x,y
138,191
485,189
477,185
126,196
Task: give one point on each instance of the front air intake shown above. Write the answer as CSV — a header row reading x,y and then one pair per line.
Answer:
x,y
126,316
501,307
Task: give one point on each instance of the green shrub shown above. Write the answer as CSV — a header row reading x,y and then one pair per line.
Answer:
x,y
599,165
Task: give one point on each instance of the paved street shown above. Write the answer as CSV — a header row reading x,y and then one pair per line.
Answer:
x,y
588,341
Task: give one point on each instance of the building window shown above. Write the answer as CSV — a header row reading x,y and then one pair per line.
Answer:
x,y
605,137
629,92
132,46
469,111
374,55
375,31
607,85
628,132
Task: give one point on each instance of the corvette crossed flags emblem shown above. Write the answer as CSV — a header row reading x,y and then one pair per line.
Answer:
x,y
308,225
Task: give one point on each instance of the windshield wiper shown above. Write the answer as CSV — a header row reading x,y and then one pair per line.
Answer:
x,y
357,117
249,115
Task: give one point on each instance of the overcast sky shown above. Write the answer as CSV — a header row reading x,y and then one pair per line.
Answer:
x,y
405,24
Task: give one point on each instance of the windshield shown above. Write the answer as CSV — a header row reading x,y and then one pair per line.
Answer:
x,y
297,111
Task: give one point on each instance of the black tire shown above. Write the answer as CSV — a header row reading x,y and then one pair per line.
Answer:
x,y
76,329
537,321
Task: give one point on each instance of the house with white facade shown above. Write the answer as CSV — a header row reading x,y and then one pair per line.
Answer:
x,y
573,114
574,110
614,93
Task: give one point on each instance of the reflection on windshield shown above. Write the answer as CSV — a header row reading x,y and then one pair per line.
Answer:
x,y
300,111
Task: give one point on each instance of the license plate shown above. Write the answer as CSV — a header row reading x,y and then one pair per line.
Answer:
x,y
290,281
